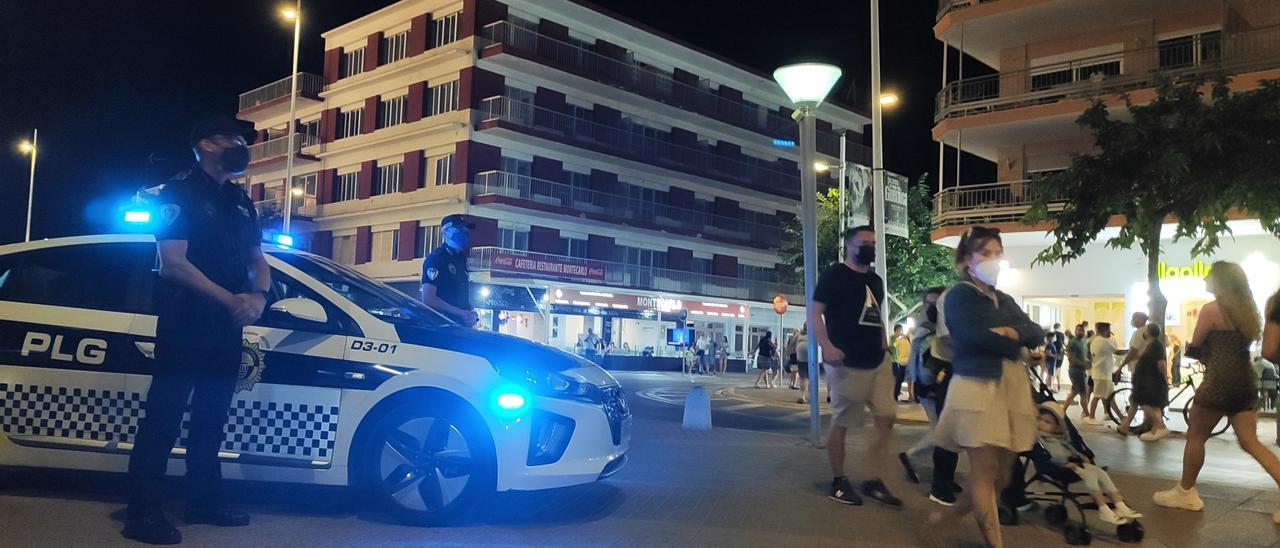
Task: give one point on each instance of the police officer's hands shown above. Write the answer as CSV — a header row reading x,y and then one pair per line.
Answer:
x,y
246,308
831,354
470,318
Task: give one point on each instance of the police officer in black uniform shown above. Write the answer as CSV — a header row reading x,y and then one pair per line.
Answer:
x,y
213,281
445,285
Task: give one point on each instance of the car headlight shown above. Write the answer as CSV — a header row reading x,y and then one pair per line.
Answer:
x,y
551,384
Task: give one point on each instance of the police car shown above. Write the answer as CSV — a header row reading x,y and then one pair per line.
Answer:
x,y
343,381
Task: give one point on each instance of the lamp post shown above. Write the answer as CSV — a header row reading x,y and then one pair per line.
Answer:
x,y
29,147
807,84
877,160
296,15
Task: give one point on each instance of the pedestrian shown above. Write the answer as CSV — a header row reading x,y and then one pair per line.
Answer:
x,y
766,355
989,413
446,286
590,344
931,375
712,350
690,359
1103,351
901,351
1052,359
1225,328
722,354
847,323
792,359
213,281
1150,386
1137,341
1271,339
802,362
1267,382
1078,366
1175,358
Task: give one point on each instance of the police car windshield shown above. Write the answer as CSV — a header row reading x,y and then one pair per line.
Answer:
x,y
374,297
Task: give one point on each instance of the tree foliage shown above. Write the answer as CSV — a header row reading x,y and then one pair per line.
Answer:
x,y
1184,158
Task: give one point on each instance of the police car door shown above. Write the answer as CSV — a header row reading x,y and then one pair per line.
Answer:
x,y
65,346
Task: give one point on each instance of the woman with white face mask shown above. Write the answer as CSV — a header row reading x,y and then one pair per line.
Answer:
x,y
989,413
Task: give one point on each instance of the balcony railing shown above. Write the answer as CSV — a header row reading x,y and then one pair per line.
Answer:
x,y
629,140
279,146
649,278
1002,202
271,209
1201,55
309,85
948,6
511,185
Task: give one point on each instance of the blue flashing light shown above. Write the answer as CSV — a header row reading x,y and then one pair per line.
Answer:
x,y
136,216
784,143
284,240
509,401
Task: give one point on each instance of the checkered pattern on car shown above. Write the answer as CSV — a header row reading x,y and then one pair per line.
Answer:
x,y
69,412
278,429
300,430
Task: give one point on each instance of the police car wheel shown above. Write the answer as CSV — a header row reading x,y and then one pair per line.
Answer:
x,y
429,464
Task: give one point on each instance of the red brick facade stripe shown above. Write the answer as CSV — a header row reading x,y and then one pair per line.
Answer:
x,y
408,240
411,178
364,179
364,244
369,122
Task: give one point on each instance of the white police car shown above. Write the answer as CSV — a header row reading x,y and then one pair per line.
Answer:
x,y
343,381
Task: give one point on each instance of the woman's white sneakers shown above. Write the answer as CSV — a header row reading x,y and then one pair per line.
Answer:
x,y
1177,497
1154,435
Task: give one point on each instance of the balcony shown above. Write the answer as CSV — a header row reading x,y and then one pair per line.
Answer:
x,y
618,208
272,100
631,141
271,211
276,149
634,277
1126,70
948,6
1002,202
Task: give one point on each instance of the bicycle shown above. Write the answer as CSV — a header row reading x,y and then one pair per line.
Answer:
x,y
1120,400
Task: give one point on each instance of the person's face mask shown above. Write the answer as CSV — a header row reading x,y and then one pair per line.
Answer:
x,y
457,239
866,255
233,154
988,271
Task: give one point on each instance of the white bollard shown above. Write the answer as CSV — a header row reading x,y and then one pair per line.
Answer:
x,y
697,410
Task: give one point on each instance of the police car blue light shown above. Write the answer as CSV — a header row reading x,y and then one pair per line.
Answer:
x,y
137,216
285,240
510,401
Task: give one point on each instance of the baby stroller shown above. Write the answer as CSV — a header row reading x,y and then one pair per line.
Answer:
x,y
1051,484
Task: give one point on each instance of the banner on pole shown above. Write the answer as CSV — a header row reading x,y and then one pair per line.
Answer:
x,y
860,198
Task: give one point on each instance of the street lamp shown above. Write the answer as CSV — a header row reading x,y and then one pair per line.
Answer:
x,y
291,14
29,148
888,99
807,84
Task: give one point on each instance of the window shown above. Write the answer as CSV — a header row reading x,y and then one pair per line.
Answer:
x,y
284,287
352,63
307,183
350,122
1045,80
391,112
444,98
643,257
384,246
393,48
344,249
574,247
121,279
1105,68
517,166
510,238
444,30
428,240
310,128
1186,51
389,177
700,266
346,189
444,169
755,273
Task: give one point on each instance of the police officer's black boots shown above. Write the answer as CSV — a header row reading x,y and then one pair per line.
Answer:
x,y
220,516
151,527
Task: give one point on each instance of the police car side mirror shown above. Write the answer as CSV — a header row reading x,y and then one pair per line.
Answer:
x,y
302,309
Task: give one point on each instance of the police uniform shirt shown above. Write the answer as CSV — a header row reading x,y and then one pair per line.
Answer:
x,y
220,225
446,269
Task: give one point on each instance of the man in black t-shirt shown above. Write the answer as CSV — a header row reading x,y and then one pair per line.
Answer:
x,y
846,323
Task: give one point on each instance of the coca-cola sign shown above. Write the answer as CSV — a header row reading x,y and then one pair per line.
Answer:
x,y
547,267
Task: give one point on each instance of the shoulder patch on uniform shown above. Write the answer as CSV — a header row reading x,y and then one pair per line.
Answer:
x,y
433,273
169,213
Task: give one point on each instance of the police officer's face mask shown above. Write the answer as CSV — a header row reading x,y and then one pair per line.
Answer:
x,y
457,238
233,155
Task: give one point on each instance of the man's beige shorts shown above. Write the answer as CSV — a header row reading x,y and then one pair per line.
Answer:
x,y
854,391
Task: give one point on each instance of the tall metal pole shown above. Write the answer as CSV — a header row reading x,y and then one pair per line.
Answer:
x,y
293,115
809,203
31,181
942,142
877,161
843,219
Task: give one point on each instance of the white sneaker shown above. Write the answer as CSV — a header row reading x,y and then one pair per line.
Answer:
x,y
1108,515
1092,421
1177,497
1124,511
1155,435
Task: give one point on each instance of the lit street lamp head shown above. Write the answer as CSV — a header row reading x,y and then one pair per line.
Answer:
x,y
888,99
807,84
289,14
26,147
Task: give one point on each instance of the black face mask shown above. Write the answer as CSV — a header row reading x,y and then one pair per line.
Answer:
x,y
866,255
234,159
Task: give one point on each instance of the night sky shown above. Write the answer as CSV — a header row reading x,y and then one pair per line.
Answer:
x,y
115,86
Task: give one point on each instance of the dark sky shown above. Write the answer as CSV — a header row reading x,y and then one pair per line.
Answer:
x,y
115,86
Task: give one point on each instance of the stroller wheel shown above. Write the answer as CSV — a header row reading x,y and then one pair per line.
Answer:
x,y
1076,534
1131,532
1055,514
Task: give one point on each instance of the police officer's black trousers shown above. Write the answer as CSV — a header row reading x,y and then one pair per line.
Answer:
x,y
204,371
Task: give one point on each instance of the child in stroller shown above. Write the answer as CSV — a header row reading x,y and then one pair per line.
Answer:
x,y
1061,456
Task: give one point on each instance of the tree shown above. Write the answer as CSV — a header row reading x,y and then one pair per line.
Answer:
x,y
915,263
1182,158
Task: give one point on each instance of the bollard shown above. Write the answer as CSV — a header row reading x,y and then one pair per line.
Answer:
x,y
697,410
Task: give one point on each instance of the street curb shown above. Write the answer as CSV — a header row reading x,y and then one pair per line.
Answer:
x,y
732,392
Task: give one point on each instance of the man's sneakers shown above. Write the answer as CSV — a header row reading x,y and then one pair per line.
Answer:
x,y
843,493
910,470
943,495
875,490
1091,421
1177,497
151,528
220,516
1155,435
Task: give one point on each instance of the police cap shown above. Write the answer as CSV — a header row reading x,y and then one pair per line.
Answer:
x,y
456,220
221,125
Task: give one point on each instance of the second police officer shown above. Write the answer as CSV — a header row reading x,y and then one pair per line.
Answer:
x,y
445,283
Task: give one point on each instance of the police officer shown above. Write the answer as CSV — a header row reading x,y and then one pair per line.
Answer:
x,y
213,281
445,285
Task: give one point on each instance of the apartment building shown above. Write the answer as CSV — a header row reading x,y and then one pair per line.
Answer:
x,y
1040,63
619,179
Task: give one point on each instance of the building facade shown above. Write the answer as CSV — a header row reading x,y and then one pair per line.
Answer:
x,y
616,176
1040,64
